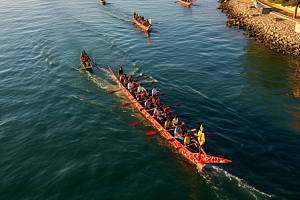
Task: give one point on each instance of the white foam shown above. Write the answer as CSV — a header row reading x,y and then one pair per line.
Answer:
x,y
240,182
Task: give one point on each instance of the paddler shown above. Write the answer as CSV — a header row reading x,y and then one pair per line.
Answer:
x,y
187,139
82,55
175,121
139,88
167,124
86,59
178,132
154,92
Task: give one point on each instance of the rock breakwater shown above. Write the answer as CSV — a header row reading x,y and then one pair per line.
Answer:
x,y
278,34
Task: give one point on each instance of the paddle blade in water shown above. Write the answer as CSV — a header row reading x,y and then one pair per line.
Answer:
x,y
210,136
151,133
126,104
134,123
162,94
111,92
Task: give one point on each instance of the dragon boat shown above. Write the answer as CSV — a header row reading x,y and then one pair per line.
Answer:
x,y
192,153
146,28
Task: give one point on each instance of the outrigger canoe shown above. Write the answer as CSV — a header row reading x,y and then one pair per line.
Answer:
x,y
146,28
89,66
185,3
199,159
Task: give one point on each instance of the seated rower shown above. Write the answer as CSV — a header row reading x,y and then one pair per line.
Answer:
x,y
121,79
158,102
168,112
142,18
139,88
186,140
154,92
175,121
125,82
167,124
148,104
146,94
82,55
134,14
130,85
178,132
147,23
86,59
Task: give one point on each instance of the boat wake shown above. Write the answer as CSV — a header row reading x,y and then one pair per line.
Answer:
x,y
217,177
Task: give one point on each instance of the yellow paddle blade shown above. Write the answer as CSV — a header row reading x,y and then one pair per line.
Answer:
x,y
150,20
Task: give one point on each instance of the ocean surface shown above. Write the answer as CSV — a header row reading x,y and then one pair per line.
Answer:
x,y
63,137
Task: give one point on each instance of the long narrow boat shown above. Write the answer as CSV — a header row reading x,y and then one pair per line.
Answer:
x,y
185,3
196,158
89,66
146,28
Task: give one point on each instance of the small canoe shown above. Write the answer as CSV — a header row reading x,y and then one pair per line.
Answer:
x,y
88,66
146,28
185,3
190,153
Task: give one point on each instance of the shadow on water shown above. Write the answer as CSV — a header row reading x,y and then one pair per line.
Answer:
x,y
271,82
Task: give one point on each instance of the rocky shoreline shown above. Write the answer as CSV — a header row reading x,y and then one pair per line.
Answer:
x,y
278,34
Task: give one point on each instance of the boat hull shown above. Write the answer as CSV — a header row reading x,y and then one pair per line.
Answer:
x,y
193,157
89,66
185,3
146,28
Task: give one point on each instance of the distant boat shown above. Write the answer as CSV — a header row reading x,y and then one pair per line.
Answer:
x,y
185,3
102,2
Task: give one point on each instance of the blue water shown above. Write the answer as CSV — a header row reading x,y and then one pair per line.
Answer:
x,y
63,137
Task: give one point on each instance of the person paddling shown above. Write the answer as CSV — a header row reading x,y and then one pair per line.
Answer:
x,y
86,59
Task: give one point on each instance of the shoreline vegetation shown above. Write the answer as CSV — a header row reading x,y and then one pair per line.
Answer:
x,y
275,32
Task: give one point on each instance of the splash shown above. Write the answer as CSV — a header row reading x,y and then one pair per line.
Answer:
x,y
240,182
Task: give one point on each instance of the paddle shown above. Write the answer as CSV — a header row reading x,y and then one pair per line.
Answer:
x,y
153,132
134,24
96,64
175,105
136,122
143,78
199,122
79,66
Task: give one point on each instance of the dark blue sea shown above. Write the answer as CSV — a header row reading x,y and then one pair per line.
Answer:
x,y
63,137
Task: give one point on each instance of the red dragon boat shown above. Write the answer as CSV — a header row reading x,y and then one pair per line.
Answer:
x,y
146,28
199,159
185,3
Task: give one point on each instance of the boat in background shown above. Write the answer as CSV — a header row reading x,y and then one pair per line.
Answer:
x,y
185,3
199,159
88,66
146,28
102,2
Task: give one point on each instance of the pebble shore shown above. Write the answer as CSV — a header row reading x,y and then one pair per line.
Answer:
x,y
278,34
